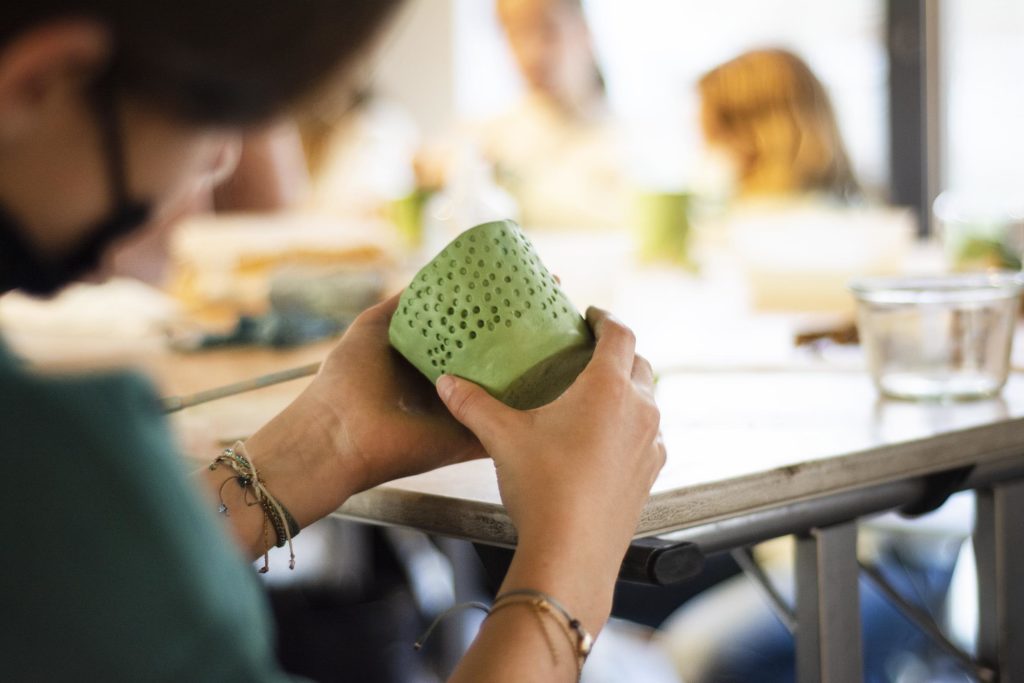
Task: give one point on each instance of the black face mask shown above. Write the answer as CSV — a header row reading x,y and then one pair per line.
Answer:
x,y
23,267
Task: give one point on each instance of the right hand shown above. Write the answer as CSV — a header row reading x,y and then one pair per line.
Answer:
x,y
578,470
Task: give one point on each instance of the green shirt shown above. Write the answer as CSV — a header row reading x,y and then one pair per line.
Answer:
x,y
112,568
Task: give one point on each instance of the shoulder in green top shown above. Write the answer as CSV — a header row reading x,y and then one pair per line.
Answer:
x,y
111,568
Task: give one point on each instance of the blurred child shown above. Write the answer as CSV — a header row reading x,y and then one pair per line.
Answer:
x,y
771,117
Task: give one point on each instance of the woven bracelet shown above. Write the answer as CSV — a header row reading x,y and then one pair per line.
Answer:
x,y
275,515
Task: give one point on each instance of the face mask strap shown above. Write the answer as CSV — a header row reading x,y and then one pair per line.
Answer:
x,y
104,98
21,266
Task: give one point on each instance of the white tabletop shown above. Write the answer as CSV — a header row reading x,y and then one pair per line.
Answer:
x,y
742,441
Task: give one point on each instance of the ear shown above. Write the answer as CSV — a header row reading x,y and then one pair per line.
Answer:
x,y
44,62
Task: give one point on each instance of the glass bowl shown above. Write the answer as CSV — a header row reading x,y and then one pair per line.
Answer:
x,y
942,337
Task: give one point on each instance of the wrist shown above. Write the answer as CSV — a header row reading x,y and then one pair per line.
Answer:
x,y
577,573
569,537
300,457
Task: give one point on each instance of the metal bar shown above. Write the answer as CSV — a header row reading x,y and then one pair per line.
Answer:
x,y
748,563
828,637
648,561
173,404
1006,469
660,563
762,525
927,625
798,517
999,549
833,508
934,109
911,32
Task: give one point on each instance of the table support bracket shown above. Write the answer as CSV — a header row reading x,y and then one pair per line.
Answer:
x,y
650,561
752,569
926,624
999,549
828,635
938,488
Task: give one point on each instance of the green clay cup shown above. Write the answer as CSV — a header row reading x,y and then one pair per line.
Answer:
x,y
486,309
663,223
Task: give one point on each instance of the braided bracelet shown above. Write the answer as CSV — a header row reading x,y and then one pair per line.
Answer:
x,y
275,515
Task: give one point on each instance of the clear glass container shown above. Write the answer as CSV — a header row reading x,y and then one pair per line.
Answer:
x,y
944,337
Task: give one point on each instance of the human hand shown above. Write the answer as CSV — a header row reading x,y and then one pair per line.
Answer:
x,y
391,422
366,418
575,474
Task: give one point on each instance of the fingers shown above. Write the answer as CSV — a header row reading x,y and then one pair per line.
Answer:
x,y
643,373
616,343
660,457
378,315
385,309
470,404
367,332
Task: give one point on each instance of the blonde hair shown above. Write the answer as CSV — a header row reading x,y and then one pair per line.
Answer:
x,y
772,114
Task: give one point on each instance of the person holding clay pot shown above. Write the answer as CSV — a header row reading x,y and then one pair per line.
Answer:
x,y
121,566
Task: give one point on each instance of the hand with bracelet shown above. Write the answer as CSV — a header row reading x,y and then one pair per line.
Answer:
x,y
366,419
574,476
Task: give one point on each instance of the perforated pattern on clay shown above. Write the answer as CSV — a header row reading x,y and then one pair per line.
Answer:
x,y
476,284
487,309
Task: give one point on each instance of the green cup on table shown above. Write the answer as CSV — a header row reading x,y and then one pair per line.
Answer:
x,y
407,215
662,224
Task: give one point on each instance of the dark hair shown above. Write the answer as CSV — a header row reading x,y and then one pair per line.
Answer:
x,y
219,61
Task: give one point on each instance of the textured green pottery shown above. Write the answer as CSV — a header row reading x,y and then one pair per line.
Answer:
x,y
487,309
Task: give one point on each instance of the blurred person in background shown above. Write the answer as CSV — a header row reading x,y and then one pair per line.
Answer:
x,y
556,151
770,117
788,208
263,171
360,155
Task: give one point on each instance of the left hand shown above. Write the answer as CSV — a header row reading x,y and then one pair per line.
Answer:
x,y
390,420
368,417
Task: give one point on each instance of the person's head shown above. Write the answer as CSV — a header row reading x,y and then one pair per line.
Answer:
x,y
552,48
771,115
110,110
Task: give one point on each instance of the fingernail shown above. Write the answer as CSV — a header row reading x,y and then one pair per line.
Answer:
x,y
445,386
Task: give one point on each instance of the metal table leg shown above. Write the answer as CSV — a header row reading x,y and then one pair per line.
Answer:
x,y
999,549
828,634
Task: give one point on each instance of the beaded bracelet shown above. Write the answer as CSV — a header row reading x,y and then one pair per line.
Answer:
x,y
275,515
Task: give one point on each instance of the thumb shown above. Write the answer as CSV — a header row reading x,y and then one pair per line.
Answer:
x,y
471,405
